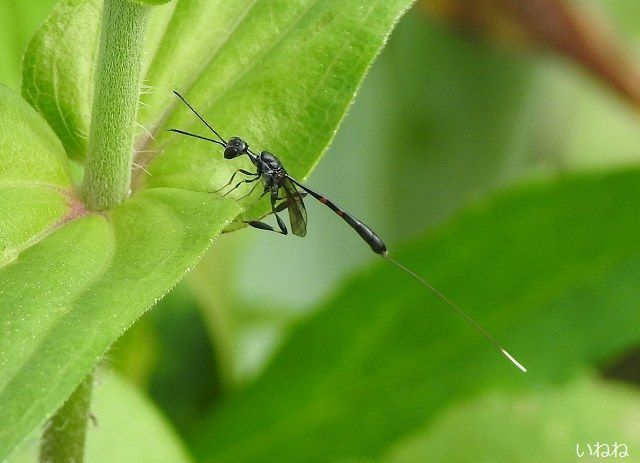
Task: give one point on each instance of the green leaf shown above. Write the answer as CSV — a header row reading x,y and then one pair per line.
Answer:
x,y
89,279
550,269
58,71
71,282
118,437
169,352
151,2
35,190
18,22
127,429
461,106
281,74
543,425
67,298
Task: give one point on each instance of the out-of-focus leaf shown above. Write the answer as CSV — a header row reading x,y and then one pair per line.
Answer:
x,y
18,21
72,282
58,71
624,14
544,425
187,379
554,268
127,429
573,29
457,125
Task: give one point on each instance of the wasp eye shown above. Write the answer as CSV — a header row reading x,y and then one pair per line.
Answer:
x,y
230,152
235,147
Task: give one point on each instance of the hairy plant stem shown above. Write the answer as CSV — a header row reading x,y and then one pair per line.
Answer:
x,y
108,169
64,434
107,179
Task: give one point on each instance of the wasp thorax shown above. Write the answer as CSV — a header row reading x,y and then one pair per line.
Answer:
x,y
235,147
270,160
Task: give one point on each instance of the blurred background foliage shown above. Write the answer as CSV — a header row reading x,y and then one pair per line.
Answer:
x,y
467,99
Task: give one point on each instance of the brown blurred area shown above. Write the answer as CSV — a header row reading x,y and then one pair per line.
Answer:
x,y
580,31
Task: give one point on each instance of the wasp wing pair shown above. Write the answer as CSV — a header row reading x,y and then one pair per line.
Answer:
x,y
294,204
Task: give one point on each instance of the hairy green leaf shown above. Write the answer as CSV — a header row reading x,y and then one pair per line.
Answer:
x,y
281,74
35,190
115,436
72,282
68,297
384,355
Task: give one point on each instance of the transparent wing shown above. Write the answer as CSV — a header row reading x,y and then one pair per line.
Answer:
x,y
295,206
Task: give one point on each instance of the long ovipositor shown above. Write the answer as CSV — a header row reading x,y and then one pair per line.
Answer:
x,y
284,195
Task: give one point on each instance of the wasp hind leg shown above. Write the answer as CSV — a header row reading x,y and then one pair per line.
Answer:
x,y
274,210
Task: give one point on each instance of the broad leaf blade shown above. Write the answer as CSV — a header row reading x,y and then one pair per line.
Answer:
x,y
35,190
384,356
67,298
280,74
72,282
149,436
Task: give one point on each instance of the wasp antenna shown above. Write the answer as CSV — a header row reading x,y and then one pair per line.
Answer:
x,y
200,117
189,134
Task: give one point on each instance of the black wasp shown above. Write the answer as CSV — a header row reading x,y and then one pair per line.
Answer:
x,y
284,194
